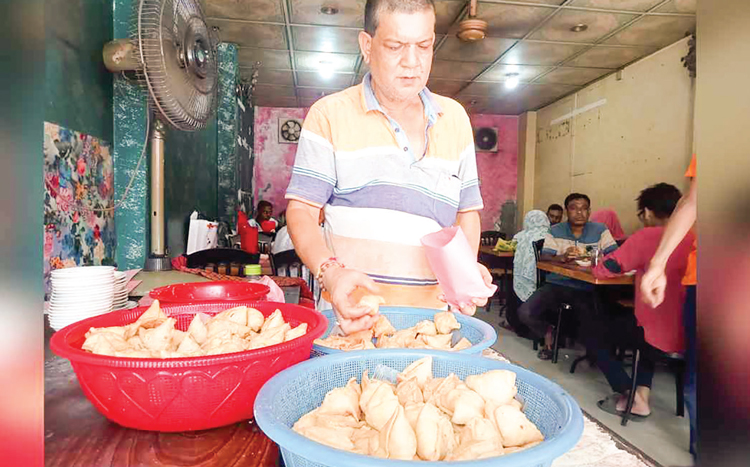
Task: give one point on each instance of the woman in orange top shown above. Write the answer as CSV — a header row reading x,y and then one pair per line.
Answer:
x,y
654,283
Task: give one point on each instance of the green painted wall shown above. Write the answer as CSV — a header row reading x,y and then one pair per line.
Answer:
x,y
190,180
228,130
128,137
78,89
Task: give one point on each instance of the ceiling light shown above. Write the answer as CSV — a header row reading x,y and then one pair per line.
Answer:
x,y
579,27
329,10
511,80
325,68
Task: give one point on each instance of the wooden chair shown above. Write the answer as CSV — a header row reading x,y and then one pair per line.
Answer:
x,y
490,237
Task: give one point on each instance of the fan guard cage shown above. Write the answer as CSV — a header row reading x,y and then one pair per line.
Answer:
x,y
178,59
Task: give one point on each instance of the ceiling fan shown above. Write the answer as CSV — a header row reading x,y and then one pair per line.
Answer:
x,y
472,29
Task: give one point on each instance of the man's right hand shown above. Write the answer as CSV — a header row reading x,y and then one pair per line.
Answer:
x,y
653,285
570,254
340,284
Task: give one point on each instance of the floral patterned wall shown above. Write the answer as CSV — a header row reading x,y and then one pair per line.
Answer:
x,y
78,184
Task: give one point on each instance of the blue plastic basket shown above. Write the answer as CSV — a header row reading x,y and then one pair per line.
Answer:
x,y
480,334
301,388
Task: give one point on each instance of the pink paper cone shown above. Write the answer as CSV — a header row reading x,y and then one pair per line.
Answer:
x,y
455,266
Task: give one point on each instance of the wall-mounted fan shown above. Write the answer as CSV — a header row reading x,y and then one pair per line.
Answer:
x,y
173,52
485,139
289,130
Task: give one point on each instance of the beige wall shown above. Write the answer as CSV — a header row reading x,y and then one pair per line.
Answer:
x,y
642,135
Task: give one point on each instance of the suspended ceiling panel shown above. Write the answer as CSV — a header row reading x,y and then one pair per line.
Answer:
x,y
553,47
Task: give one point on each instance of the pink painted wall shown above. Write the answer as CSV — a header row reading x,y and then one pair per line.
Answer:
x,y
497,170
274,161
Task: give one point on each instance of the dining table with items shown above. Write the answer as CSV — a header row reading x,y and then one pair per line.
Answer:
x,y
583,273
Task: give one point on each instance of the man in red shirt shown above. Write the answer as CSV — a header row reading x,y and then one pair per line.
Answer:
x,y
650,329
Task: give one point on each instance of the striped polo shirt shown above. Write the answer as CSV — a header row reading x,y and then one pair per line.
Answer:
x,y
560,238
380,198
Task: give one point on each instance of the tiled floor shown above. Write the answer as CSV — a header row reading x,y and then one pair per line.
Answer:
x,y
663,437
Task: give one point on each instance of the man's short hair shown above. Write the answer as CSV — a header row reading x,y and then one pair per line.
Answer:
x,y
263,204
555,207
373,8
661,199
575,196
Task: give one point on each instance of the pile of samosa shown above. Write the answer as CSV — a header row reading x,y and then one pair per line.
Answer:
x,y
424,418
436,334
153,334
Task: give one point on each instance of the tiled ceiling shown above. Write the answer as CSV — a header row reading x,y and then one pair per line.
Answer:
x,y
287,40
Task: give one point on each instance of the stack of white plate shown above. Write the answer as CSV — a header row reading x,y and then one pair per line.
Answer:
x,y
120,300
80,293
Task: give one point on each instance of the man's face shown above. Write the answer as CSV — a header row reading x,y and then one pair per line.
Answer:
x,y
578,212
554,216
400,53
266,213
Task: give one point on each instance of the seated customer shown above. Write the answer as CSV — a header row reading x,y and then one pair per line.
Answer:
x,y
554,214
609,218
263,220
563,243
535,228
649,329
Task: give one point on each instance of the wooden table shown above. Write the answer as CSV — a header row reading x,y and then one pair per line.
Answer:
x,y
580,273
154,279
76,434
488,249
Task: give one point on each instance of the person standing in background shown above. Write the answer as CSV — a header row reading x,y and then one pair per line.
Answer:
x,y
654,284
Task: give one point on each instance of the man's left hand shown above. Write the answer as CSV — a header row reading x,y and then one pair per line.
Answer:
x,y
471,307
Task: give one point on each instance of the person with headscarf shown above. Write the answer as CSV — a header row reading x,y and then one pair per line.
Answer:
x,y
535,226
609,218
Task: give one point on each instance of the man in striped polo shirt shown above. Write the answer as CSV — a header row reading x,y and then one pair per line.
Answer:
x,y
388,162
562,245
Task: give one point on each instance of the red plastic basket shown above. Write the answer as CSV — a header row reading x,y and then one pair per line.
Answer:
x,y
215,291
182,394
